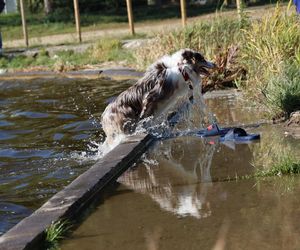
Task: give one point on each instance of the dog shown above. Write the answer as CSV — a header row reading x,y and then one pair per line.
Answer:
x,y
163,84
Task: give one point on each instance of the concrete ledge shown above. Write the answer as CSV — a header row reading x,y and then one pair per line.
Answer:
x,y
69,202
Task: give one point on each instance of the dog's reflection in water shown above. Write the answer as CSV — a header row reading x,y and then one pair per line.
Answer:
x,y
178,180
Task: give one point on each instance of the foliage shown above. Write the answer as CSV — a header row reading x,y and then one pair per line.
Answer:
x,y
108,49
55,233
271,43
209,37
103,51
287,165
269,51
283,90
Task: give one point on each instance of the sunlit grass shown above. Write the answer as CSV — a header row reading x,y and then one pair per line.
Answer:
x,y
55,233
287,165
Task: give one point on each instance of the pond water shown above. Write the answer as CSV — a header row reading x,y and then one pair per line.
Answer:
x,y
47,130
185,194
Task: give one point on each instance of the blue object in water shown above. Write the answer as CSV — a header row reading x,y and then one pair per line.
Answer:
x,y
228,134
297,3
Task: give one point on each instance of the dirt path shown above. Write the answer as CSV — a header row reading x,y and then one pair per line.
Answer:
x,y
147,27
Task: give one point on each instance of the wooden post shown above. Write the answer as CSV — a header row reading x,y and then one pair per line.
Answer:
x,y
239,8
25,33
77,19
130,16
183,12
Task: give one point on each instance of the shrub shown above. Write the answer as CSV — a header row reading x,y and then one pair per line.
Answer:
x,y
270,44
210,37
283,90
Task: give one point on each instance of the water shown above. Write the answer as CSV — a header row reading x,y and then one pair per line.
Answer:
x,y
49,131
185,194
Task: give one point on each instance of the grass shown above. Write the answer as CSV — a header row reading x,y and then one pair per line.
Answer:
x,y
283,90
268,50
287,165
55,233
271,55
62,20
104,50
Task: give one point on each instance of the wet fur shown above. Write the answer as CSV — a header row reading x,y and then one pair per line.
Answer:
x,y
162,84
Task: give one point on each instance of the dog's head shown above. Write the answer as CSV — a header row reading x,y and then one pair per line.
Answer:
x,y
192,65
196,62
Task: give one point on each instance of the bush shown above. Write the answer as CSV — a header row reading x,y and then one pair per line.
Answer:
x,y
210,37
270,44
283,91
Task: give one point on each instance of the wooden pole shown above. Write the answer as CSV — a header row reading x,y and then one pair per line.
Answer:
x,y
183,12
239,8
130,16
25,33
77,19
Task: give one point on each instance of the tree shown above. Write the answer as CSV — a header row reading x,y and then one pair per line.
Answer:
x,y
48,6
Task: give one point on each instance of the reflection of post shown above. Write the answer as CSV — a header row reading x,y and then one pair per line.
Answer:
x,y
183,12
130,16
77,19
24,22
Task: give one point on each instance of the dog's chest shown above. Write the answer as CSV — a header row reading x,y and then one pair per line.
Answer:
x,y
179,89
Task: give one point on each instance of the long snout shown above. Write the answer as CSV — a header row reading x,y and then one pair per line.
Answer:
x,y
209,65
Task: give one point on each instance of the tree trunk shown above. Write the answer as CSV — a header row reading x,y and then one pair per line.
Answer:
x,y
47,6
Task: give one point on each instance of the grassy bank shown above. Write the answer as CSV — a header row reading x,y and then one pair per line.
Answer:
x,y
262,57
61,21
105,50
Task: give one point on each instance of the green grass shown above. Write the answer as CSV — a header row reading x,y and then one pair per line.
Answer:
x,y
62,20
283,90
55,233
104,50
287,165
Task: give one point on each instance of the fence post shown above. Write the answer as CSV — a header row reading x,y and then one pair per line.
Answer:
x,y
183,12
25,33
239,8
130,16
77,19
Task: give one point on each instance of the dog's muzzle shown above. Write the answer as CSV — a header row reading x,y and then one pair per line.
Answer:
x,y
204,66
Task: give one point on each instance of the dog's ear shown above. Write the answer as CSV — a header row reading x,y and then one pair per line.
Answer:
x,y
187,55
198,57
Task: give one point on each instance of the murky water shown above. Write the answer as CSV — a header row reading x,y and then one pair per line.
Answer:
x,y
185,194
47,130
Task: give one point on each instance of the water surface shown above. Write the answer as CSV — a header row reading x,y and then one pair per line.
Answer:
x,y
186,193
48,128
